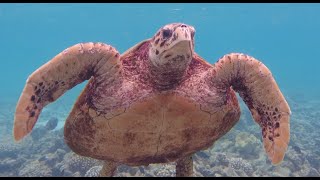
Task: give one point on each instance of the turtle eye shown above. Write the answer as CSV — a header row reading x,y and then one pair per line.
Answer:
x,y
166,33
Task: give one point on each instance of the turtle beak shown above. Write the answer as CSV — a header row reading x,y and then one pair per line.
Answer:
x,y
188,33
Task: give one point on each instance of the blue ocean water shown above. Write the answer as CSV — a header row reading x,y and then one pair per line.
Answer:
x,y
285,37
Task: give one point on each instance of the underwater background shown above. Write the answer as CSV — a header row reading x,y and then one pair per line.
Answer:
x,y
285,37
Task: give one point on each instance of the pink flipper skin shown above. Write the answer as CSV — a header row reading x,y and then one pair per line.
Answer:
x,y
69,68
259,90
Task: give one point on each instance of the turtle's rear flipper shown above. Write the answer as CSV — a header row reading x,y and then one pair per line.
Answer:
x,y
184,167
256,86
108,169
69,68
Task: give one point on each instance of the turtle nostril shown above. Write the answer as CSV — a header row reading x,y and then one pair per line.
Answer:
x,y
183,25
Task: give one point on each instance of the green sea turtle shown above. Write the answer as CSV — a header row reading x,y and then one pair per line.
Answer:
x,y
158,102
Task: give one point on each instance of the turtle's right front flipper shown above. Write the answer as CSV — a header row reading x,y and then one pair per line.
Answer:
x,y
69,68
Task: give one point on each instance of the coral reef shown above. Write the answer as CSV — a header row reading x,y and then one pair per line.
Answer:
x,y
240,164
35,168
93,171
72,163
52,123
165,170
41,131
246,144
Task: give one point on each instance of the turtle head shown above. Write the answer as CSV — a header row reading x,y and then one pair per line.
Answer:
x,y
172,46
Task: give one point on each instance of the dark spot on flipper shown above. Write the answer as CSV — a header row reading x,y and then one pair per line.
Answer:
x,y
38,91
274,113
32,114
277,125
276,109
264,132
277,135
35,88
41,83
39,100
35,107
56,82
157,52
33,98
270,138
168,55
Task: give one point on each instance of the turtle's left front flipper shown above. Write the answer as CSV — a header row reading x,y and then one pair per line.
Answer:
x,y
259,90
69,68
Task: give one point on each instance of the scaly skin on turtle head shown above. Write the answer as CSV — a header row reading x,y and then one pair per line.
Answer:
x,y
172,46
